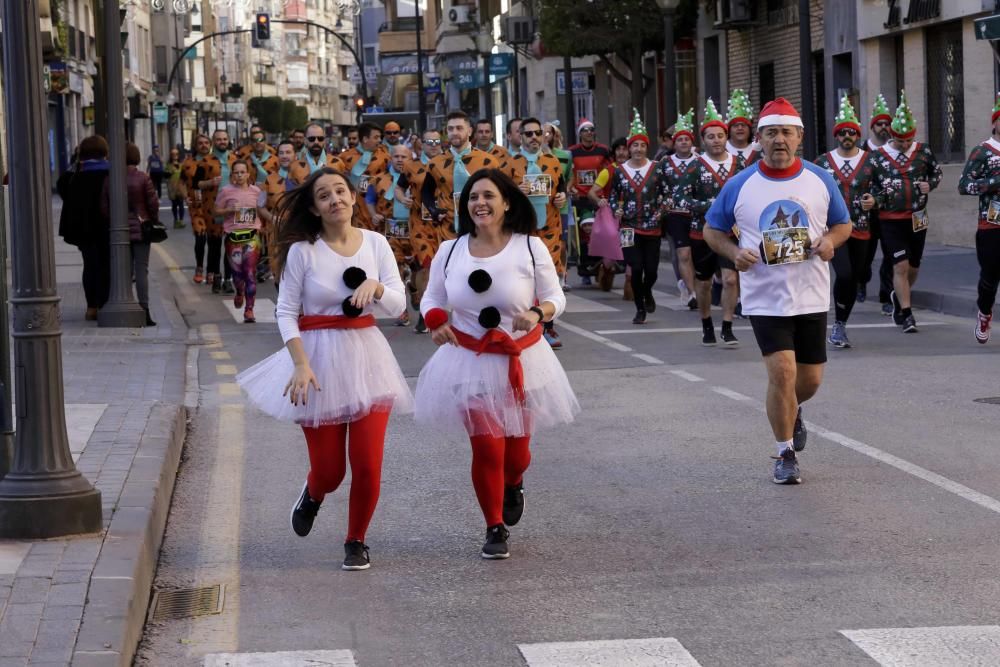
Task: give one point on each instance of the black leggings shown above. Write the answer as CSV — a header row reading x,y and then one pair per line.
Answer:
x,y
214,255
848,264
199,249
988,253
177,207
644,259
884,269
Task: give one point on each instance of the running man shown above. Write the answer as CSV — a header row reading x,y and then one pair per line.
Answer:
x,y
739,122
878,136
364,163
514,136
589,159
484,140
674,173
392,214
262,159
790,218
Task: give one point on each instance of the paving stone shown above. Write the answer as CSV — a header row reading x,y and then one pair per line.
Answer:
x,y
62,613
83,552
71,576
30,589
68,594
38,566
13,662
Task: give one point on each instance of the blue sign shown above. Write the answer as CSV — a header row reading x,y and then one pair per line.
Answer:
x,y
501,65
468,79
433,86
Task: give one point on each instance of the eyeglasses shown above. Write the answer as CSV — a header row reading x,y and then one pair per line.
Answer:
x,y
847,133
432,142
531,133
314,139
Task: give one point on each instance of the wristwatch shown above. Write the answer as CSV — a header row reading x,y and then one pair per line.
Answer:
x,y
541,313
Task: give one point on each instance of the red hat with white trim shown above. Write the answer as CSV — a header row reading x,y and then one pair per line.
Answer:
x,y
583,124
779,112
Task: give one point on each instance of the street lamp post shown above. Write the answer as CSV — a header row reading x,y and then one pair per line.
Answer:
x,y
484,44
43,495
669,8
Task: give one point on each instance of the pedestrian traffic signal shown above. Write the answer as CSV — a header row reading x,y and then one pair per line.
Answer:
x,y
263,27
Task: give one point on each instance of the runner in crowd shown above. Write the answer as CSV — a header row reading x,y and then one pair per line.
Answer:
x,y
673,173
514,135
981,176
200,210
423,236
589,158
852,168
709,174
905,172
783,246
343,378
634,199
239,204
154,167
739,123
214,174
392,134
252,146
353,138
176,187
298,138
277,184
315,157
262,158
666,147
490,376
484,140
598,198
391,213
570,240
539,176
878,136
364,163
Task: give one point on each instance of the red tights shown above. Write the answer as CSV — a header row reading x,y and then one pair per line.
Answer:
x,y
328,452
496,461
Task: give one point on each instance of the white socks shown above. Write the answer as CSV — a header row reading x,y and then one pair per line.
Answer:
x,y
782,446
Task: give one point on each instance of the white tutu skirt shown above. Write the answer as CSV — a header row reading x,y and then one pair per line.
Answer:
x,y
458,390
355,369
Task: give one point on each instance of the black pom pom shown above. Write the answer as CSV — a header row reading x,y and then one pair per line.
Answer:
x,y
480,281
354,276
350,309
489,318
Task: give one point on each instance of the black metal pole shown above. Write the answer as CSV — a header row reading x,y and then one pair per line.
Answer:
x,y
806,83
669,70
6,388
570,133
43,495
421,95
517,86
487,89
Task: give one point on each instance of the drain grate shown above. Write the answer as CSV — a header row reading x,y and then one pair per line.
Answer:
x,y
188,602
992,400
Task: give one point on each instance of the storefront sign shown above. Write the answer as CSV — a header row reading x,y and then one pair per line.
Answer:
x,y
89,114
581,82
402,64
468,79
59,77
160,113
501,65
988,27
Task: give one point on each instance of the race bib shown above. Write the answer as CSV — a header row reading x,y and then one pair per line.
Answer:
x,y
626,236
993,212
920,220
246,217
540,185
587,177
789,245
363,184
397,229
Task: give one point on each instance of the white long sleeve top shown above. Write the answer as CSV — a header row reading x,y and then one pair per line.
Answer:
x,y
312,282
517,279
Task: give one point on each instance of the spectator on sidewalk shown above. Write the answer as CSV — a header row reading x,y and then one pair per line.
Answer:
x,y
176,187
154,167
143,204
84,224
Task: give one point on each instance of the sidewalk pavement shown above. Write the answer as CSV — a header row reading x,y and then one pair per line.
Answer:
x,y
83,600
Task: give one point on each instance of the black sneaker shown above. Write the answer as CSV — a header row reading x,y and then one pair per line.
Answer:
x,y
786,469
909,324
640,317
861,296
728,337
897,310
304,512
708,336
650,304
420,328
496,543
513,503
693,303
217,285
227,287
799,433
356,556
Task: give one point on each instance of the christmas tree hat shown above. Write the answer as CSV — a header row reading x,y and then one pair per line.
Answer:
x,y
637,132
996,109
846,118
739,110
903,126
880,110
685,125
712,118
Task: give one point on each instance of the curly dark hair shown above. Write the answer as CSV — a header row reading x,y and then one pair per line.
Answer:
x,y
519,218
296,221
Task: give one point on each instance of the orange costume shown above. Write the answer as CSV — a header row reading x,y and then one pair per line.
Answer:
x,y
300,170
199,206
423,238
268,161
379,164
499,152
438,193
551,232
397,231
244,151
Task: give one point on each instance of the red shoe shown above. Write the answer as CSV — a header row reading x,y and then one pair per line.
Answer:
x,y
199,275
248,317
238,300
983,328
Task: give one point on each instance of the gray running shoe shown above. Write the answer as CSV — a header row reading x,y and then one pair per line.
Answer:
x,y
838,335
356,556
786,469
496,543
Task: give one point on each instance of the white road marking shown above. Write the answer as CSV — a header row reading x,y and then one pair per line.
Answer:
x,y
578,304
957,646
183,281
735,395
690,377
649,359
263,311
671,330
594,337
653,652
11,555
282,659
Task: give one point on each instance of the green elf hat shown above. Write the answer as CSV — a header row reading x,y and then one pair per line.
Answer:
x,y
880,110
903,125
637,132
739,110
685,125
996,109
712,118
846,118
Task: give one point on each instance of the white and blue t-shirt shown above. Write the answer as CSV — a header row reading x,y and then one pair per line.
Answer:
x,y
780,214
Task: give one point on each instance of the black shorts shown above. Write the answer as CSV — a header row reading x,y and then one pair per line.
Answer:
x,y
803,334
706,261
678,227
900,243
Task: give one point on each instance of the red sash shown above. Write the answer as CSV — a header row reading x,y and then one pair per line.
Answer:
x,y
497,342
314,322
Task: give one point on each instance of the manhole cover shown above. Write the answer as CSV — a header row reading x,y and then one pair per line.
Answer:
x,y
187,602
992,400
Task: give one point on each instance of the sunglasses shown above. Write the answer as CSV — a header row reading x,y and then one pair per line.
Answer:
x,y
314,139
388,132
847,133
882,123
531,133
432,142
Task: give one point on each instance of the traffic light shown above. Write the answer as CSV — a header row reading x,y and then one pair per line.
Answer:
x,y
359,102
262,29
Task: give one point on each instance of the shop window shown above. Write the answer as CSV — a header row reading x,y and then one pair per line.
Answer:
x,y
945,92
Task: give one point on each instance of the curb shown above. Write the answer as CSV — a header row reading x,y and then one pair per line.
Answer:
x,y
949,304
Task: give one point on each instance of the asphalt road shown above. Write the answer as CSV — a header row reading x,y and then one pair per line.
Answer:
x,y
652,533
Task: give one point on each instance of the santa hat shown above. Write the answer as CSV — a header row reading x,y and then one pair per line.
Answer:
x,y
880,110
685,125
584,124
739,110
712,118
996,109
846,118
637,132
779,112
903,124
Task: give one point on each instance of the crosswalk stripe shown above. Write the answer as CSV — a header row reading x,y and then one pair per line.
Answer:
x,y
652,652
644,330
263,310
955,646
281,659
579,304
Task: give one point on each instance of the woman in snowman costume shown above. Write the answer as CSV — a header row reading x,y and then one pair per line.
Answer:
x,y
494,376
